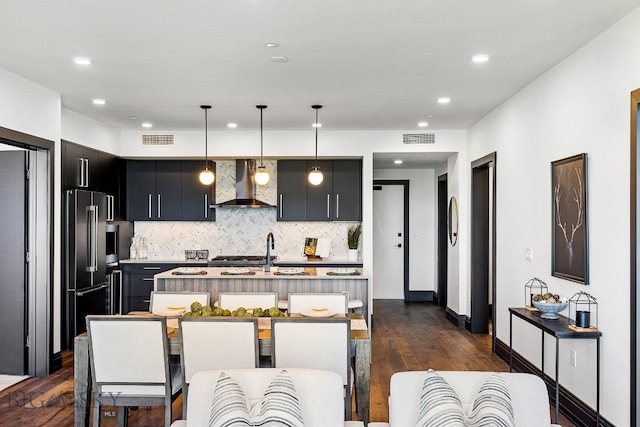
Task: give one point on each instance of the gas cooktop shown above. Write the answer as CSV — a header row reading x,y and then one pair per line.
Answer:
x,y
239,260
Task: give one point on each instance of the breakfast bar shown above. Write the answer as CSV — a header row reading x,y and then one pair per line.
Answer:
x,y
280,280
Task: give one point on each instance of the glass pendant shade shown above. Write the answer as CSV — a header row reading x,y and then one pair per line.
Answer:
x,y
262,176
206,176
315,176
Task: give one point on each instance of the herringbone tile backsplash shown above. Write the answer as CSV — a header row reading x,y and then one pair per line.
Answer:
x,y
241,231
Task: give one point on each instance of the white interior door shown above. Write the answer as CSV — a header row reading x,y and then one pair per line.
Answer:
x,y
388,251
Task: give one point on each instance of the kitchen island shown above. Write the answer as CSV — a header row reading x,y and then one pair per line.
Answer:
x,y
280,280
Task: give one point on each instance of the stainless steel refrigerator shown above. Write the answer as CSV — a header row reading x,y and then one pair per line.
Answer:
x,y
87,288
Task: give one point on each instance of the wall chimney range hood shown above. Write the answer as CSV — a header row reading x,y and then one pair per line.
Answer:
x,y
245,187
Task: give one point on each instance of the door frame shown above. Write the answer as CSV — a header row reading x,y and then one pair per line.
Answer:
x,y
633,252
480,228
40,321
408,295
443,240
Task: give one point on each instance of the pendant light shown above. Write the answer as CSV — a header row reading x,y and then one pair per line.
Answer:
x,y
206,176
261,176
315,176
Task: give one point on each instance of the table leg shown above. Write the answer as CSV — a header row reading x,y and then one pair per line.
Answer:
x,y
598,382
510,342
557,381
81,382
362,379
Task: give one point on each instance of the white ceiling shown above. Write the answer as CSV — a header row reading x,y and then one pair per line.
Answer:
x,y
373,64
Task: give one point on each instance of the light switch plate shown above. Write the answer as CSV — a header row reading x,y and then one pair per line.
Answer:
x,y
528,254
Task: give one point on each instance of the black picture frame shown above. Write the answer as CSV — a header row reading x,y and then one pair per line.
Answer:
x,y
570,243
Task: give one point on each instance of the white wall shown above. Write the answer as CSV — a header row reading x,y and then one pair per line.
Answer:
x,y
581,105
422,224
85,131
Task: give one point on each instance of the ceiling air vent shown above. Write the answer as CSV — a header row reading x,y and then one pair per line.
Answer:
x,y
419,138
157,139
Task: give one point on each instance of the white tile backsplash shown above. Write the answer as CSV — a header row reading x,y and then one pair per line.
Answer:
x,y
241,231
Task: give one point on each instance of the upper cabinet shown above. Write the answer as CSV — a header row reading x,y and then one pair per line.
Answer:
x,y
89,169
337,198
168,190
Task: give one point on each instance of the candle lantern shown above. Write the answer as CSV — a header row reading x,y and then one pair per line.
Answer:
x,y
532,287
583,312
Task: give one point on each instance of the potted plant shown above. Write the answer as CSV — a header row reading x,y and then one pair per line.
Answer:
x,y
353,240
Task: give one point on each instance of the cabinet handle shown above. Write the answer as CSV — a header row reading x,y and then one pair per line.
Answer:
x,y
159,206
86,173
337,206
82,181
110,208
281,205
149,204
147,279
206,206
328,206
151,268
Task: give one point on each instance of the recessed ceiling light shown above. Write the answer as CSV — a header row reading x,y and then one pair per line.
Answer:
x,y
82,61
271,45
133,117
317,125
444,100
232,125
397,162
423,124
480,58
147,125
428,116
280,59
99,101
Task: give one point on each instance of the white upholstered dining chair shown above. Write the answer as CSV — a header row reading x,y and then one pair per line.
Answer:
x,y
130,364
334,302
163,301
216,343
234,300
314,343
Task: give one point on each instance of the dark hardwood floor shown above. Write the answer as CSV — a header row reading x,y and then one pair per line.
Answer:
x,y
406,336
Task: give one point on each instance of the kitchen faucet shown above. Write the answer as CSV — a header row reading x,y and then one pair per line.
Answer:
x,y
267,266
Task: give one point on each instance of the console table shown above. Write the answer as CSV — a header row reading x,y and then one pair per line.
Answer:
x,y
559,329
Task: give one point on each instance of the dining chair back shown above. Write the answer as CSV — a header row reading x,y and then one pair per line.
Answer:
x,y
164,302
130,364
318,302
314,343
216,343
234,300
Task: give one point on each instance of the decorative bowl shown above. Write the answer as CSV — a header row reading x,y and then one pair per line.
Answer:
x,y
550,310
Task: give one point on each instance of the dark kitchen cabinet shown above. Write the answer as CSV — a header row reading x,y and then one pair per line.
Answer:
x,y
137,282
89,169
196,197
292,190
337,198
167,190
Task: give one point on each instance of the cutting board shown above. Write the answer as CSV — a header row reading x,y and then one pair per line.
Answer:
x,y
323,247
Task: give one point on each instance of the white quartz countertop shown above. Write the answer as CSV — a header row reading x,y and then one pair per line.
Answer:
x,y
255,273
165,261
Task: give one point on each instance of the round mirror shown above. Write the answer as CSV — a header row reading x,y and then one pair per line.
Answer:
x,y
453,221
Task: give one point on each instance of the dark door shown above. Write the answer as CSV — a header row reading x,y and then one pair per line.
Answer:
x,y
196,197
292,190
168,190
320,197
13,234
141,189
443,240
347,190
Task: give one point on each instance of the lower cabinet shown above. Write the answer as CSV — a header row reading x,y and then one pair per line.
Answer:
x,y
137,283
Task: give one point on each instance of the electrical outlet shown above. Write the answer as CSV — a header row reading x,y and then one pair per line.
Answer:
x,y
574,361
528,254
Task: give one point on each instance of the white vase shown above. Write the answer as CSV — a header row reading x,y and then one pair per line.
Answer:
x,y
352,255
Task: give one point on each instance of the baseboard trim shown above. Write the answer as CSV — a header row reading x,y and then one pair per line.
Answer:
x,y
422,296
455,318
570,405
55,362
